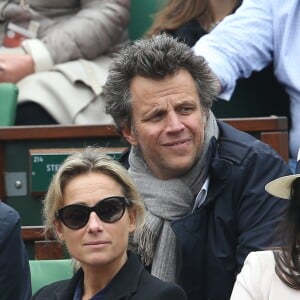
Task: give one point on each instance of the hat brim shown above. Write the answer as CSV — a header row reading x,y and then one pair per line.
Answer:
x,y
281,187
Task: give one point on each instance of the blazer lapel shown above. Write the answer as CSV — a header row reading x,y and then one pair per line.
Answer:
x,y
126,281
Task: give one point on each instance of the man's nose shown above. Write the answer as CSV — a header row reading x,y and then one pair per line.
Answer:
x,y
174,122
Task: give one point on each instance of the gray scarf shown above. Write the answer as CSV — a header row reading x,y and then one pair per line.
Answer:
x,y
166,200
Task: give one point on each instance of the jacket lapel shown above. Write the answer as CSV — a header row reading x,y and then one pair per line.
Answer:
x,y
126,281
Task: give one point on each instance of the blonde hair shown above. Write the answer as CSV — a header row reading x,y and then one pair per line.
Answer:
x,y
178,12
89,160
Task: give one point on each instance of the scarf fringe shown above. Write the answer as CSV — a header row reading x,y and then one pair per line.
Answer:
x,y
145,242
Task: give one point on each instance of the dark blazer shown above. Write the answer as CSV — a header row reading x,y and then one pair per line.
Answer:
x,y
132,282
15,281
238,215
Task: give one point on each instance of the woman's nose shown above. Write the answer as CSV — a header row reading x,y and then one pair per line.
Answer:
x,y
94,223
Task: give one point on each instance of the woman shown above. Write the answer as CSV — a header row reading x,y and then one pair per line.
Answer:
x,y
61,59
189,20
93,206
275,275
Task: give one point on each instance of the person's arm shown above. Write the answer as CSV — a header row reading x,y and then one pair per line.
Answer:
x,y
253,282
91,32
97,27
240,44
14,67
15,275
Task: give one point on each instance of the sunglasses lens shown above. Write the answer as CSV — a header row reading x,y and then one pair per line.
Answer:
x,y
111,209
75,216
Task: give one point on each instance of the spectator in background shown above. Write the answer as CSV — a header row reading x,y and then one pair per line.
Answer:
x,y
92,206
190,20
202,181
275,275
14,266
62,63
258,33
259,95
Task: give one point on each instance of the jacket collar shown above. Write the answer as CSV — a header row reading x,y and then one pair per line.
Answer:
x,y
228,151
123,284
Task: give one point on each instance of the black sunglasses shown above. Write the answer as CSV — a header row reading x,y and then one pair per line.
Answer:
x,y
109,210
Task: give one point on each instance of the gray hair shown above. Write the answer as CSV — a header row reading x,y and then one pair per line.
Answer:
x,y
89,160
155,58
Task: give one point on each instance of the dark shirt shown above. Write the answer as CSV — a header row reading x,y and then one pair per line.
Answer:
x,y
78,293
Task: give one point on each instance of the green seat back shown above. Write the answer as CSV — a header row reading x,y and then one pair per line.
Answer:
x,y
44,272
8,103
142,12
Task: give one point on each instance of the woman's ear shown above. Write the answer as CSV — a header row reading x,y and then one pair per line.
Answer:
x,y
132,220
58,229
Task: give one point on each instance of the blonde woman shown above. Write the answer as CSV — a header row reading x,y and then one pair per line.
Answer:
x,y
93,207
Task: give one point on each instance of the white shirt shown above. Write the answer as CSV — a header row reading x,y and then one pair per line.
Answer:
x,y
258,280
259,32
201,196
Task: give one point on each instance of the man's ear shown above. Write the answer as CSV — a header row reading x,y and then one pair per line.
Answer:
x,y
129,135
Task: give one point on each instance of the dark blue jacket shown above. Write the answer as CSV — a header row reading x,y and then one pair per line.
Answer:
x,y
237,217
15,281
132,282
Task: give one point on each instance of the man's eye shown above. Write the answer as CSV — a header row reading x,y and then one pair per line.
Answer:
x,y
158,116
186,110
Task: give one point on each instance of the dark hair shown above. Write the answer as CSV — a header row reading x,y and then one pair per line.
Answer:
x,y
155,58
287,260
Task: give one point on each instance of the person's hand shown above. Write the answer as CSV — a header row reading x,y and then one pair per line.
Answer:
x,y
14,67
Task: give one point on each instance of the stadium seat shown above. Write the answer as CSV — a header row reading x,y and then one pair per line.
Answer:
x,y
8,103
44,272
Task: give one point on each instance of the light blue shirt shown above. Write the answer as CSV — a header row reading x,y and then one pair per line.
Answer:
x,y
259,32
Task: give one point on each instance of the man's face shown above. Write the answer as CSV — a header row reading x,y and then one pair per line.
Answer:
x,y
167,123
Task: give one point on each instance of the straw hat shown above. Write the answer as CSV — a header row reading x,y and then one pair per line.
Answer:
x,y
281,187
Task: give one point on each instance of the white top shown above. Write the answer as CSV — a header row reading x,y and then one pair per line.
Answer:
x,y
202,194
258,280
259,32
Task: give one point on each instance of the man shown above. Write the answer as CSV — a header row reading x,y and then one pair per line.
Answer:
x,y
258,33
14,275
202,180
